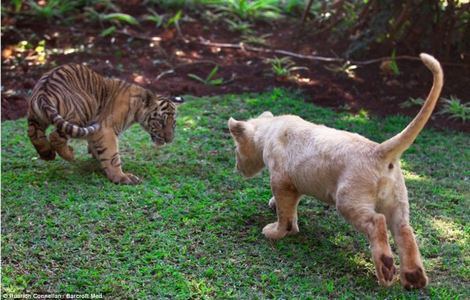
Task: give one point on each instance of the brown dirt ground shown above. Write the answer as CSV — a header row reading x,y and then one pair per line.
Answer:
x,y
163,65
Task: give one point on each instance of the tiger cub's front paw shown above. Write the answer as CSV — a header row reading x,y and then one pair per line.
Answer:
x,y
47,155
66,153
126,178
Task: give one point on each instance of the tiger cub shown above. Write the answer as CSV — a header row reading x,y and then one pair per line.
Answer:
x,y
81,103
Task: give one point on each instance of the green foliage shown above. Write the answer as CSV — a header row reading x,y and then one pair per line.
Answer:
x,y
119,18
52,8
294,7
209,80
438,25
17,4
376,32
115,18
253,39
393,64
347,69
172,4
210,16
280,65
239,26
455,109
192,229
37,52
67,10
108,31
246,9
412,102
174,21
154,17
284,66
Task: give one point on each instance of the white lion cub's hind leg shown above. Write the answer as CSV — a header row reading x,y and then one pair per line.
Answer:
x,y
285,201
412,273
359,210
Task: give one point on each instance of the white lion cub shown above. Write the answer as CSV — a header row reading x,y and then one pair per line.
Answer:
x,y
361,178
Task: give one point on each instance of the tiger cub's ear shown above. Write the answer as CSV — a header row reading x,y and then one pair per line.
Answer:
x,y
148,97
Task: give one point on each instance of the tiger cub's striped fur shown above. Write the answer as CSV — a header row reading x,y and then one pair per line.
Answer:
x,y
80,103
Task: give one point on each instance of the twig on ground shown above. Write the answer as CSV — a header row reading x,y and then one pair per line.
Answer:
x,y
135,36
164,73
204,61
180,33
171,71
245,47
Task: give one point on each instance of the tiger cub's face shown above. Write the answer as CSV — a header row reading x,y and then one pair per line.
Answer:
x,y
160,119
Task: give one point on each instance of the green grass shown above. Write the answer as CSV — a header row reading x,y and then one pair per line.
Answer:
x,y
193,228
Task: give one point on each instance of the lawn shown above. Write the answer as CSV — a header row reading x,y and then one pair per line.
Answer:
x,y
192,229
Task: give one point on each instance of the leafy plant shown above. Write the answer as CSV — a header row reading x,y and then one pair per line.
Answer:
x,y
245,9
239,26
36,53
393,64
120,18
51,8
293,6
40,49
17,4
455,109
23,46
174,20
346,69
154,17
210,16
108,31
394,23
255,39
115,17
284,66
170,4
209,80
412,102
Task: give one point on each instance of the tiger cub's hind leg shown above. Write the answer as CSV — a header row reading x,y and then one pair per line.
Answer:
x,y
37,135
59,144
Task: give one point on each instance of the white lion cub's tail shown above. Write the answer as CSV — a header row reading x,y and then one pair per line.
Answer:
x,y
395,146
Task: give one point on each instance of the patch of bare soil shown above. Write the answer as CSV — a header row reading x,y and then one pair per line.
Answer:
x,y
161,59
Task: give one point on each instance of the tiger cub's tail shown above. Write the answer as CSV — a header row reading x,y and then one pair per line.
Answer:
x,y
70,129
67,127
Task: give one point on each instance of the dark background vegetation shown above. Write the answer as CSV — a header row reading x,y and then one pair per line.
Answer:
x,y
165,45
